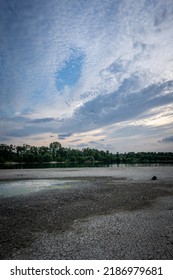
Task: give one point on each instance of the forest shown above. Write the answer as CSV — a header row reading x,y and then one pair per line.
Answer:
x,y
56,153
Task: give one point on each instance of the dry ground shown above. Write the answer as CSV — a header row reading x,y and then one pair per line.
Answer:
x,y
98,218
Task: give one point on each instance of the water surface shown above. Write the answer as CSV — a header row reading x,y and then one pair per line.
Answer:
x,y
25,187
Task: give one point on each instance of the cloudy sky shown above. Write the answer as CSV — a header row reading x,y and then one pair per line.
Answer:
x,y
95,73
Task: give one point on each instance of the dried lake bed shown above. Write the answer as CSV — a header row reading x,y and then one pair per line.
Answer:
x,y
87,213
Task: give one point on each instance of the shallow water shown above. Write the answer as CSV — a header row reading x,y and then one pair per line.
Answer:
x,y
25,187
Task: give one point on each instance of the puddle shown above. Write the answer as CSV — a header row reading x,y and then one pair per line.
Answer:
x,y
25,187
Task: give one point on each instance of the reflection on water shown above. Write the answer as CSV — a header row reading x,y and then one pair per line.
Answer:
x,y
25,187
71,165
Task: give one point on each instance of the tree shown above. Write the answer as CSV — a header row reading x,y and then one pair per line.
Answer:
x,y
26,153
54,147
47,157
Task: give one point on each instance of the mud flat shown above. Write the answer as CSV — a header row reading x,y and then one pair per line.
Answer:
x,y
131,173
105,214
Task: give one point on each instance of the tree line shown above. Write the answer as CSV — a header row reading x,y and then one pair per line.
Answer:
x,y
55,152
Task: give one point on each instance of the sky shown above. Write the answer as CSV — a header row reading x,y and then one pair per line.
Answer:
x,y
87,73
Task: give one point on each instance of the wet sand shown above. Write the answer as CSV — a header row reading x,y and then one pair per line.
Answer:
x,y
108,214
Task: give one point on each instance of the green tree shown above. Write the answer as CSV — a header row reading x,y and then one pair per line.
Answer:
x,y
54,148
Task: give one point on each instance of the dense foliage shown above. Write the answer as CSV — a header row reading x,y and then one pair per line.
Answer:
x,y
55,152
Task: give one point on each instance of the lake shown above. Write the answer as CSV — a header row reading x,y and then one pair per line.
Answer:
x,y
72,165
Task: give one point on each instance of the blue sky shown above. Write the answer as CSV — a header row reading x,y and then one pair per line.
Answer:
x,y
87,73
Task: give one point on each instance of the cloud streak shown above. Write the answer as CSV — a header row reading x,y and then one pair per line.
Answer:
x,y
167,139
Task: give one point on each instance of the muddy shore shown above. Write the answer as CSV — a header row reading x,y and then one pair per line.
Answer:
x,y
101,217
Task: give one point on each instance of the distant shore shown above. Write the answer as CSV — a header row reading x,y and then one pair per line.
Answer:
x,y
111,214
